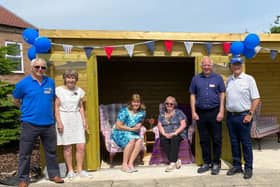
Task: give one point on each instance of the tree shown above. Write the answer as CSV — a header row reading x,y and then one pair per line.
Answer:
x,y
276,27
9,114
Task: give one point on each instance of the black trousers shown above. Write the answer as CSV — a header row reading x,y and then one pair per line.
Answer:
x,y
171,147
210,133
28,135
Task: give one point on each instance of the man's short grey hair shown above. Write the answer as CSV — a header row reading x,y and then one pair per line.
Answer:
x,y
36,60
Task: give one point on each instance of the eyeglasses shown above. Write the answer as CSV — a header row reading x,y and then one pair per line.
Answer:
x,y
42,67
169,104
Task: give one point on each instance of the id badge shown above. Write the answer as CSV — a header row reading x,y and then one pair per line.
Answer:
x,y
212,85
47,90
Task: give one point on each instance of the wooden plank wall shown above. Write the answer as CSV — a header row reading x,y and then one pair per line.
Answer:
x,y
153,77
266,73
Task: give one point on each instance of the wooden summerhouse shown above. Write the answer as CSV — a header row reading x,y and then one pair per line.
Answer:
x,y
154,74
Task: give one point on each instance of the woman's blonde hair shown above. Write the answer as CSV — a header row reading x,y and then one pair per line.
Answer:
x,y
136,97
70,73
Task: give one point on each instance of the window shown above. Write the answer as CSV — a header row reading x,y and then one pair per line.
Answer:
x,y
16,56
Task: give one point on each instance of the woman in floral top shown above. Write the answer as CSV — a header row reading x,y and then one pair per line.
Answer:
x,y
171,124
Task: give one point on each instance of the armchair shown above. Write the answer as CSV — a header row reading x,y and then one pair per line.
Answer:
x,y
107,116
185,153
264,125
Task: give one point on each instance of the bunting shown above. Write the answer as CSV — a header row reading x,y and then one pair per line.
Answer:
x,y
129,48
188,46
273,54
208,47
151,46
257,49
108,51
226,47
88,51
67,48
168,45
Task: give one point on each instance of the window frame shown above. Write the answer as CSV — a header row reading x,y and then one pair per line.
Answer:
x,y
17,56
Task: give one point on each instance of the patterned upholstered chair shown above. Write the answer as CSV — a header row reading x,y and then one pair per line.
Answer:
x,y
185,153
107,116
264,125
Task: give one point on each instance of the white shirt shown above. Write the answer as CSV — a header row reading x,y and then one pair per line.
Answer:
x,y
240,91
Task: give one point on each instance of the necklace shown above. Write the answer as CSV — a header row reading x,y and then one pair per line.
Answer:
x,y
168,116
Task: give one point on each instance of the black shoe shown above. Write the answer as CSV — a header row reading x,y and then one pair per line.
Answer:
x,y
203,168
248,173
215,169
234,170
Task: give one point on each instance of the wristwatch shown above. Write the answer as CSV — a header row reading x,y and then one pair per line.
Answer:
x,y
250,113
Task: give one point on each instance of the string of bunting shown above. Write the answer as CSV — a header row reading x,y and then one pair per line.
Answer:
x,y
249,47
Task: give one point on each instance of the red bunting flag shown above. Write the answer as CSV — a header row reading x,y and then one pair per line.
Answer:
x,y
168,45
226,47
108,51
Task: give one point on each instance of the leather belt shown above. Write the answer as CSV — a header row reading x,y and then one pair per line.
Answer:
x,y
239,113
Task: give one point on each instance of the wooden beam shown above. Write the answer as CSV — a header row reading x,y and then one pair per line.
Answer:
x,y
147,35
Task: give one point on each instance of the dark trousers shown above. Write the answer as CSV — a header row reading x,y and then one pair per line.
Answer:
x,y
210,130
239,132
171,147
28,136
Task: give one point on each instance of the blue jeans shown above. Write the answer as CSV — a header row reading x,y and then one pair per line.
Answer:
x,y
240,132
28,136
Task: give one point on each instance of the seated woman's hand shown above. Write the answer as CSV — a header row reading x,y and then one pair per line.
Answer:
x,y
168,135
136,128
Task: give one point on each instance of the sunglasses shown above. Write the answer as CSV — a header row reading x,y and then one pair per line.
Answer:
x,y
42,67
169,104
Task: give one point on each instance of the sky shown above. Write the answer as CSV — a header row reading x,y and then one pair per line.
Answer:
x,y
203,16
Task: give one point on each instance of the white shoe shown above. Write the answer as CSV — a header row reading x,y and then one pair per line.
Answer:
x,y
178,164
71,175
171,167
84,174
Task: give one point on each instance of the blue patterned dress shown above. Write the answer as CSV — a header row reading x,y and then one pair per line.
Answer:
x,y
123,137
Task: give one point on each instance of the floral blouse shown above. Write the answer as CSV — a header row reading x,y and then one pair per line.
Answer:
x,y
170,125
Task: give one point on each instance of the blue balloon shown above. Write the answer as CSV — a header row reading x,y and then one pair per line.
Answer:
x,y
249,53
42,44
31,53
251,41
237,48
29,35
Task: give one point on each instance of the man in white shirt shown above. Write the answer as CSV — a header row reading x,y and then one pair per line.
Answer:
x,y
242,99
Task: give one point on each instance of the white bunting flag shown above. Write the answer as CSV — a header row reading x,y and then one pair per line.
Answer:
x,y
257,49
129,48
188,46
67,48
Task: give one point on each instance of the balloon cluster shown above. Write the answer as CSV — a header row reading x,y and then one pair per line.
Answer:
x,y
40,44
249,47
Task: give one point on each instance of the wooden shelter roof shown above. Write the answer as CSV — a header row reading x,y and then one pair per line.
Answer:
x,y
147,35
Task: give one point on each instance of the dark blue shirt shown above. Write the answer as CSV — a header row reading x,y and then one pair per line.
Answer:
x,y
207,90
36,100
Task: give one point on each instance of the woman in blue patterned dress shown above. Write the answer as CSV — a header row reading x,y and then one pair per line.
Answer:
x,y
126,131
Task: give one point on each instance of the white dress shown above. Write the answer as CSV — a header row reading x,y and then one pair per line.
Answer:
x,y
70,115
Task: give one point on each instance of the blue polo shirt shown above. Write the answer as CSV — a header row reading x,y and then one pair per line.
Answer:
x,y
36,100
207,90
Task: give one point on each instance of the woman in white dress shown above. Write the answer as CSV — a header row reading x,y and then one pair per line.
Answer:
x,y
71,122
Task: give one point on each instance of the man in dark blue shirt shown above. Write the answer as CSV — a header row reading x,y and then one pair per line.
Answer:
x,y
35,94
207,91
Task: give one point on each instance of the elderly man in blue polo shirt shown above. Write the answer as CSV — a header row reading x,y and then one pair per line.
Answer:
x,y
35,95
207,91
242,100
